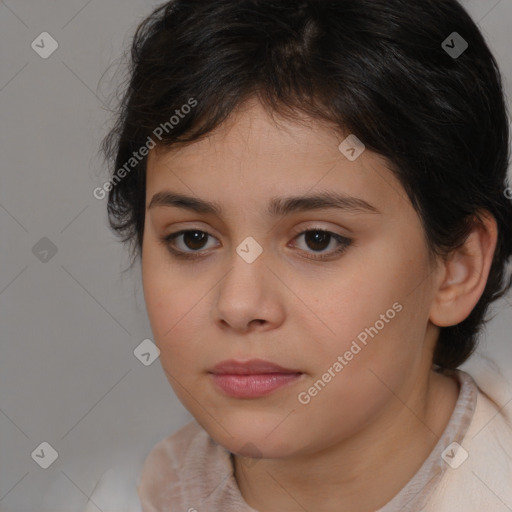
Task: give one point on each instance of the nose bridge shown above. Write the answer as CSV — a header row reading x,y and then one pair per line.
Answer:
x,y
248,264
244,295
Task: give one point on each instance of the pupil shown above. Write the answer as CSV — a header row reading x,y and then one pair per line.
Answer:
x,y
197,238
321,235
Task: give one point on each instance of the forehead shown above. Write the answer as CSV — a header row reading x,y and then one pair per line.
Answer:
x,y
254,154
250,130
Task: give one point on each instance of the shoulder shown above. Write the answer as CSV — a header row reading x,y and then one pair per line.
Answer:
x,y
166,460
177,445
182,469
116,489
119,487
481,476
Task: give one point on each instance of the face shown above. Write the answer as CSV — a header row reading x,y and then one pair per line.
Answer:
x,y
339,294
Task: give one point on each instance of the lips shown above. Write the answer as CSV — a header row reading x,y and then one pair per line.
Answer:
x,y
255,378
251,367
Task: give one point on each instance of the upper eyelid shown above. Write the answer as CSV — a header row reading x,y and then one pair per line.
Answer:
x,y
296,230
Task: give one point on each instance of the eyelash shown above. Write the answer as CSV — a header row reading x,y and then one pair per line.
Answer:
x,y
168,242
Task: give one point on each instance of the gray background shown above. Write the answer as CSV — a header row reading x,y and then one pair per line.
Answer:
x,y
68,374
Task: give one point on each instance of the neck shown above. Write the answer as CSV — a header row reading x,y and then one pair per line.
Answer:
x,y
381,457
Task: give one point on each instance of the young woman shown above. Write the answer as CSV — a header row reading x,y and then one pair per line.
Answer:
x,y
317,193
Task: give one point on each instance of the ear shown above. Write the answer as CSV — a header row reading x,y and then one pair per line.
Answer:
x,y
464,274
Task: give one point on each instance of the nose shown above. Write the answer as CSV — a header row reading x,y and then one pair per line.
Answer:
x,y
249,297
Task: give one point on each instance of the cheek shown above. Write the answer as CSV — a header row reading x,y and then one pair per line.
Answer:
x,y
371,375
170,312
173,304
376,325
166,292
161,298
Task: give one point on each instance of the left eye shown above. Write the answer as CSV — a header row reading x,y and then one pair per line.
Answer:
x,y
194,239
319,240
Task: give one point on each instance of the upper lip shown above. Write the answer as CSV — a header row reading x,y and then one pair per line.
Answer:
x,y
253,366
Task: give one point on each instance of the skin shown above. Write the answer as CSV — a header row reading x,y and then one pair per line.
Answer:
x,y
386,408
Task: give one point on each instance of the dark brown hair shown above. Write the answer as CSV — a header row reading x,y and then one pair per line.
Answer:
x,y
379,69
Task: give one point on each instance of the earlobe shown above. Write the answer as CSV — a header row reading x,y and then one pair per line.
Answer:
x,y
465,275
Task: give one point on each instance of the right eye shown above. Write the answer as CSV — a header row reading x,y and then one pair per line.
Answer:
x,y
192,239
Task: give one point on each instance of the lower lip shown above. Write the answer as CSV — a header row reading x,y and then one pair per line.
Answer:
x,y
253,386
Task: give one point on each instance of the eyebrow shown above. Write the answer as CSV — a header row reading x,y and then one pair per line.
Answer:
x,y
278,206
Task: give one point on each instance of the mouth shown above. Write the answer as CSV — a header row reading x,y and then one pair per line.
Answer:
x,y
251,367
252,379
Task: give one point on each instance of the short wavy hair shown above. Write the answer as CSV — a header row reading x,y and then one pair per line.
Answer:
x,y
374,68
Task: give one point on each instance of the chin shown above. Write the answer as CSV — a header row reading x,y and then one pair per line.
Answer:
x,y
254,440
